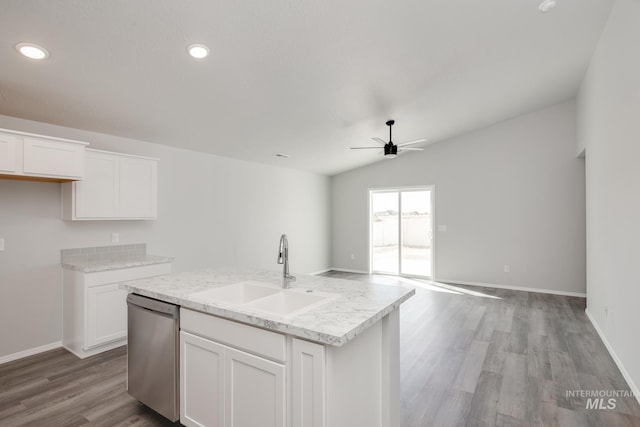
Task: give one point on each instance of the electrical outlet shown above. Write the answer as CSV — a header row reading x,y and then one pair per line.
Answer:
x,y
442,228
353,257
507,268
115,237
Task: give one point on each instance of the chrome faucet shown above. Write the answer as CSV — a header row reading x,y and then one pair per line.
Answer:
x,y
283,258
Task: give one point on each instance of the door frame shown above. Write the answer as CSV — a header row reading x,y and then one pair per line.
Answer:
x,y
432,189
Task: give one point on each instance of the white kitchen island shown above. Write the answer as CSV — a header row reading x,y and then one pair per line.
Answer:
x,y
332,363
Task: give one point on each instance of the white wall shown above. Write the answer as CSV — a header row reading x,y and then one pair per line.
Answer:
x,y
512,193
213,211
609,129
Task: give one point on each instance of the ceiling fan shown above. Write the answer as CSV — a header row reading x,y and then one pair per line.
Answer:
x,y
390,149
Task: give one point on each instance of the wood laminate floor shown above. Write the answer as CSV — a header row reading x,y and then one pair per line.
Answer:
x,y
469,357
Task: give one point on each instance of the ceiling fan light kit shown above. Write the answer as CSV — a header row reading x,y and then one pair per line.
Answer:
x,y
391,149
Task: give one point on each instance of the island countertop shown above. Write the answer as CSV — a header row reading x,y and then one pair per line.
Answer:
x,y
355,307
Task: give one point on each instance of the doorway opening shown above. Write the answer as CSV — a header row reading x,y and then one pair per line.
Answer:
x,y
401,231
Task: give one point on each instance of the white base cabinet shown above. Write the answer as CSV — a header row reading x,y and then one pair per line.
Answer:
x,y
95,308
33,157
232,375
236,375
116,187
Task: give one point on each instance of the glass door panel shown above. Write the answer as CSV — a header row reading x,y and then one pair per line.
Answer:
x,y
385,233
417,233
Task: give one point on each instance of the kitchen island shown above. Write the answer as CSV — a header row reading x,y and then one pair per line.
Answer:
x,y
324,353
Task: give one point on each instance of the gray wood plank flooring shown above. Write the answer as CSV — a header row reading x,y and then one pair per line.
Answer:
x,y
475,356
469,357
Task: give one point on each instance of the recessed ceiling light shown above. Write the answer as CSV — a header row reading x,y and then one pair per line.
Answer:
x,y
198,51
547,5
32,51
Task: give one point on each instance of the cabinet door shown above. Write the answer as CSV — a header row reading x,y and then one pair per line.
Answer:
x,y
138,188
106,314
8,147
254,391
97,195
53,158
308,384
201,382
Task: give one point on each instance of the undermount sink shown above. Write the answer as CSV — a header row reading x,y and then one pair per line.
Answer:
x,y
266,298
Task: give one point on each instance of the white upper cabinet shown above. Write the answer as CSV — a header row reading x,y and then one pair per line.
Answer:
x,y
116,186
8,150
40,158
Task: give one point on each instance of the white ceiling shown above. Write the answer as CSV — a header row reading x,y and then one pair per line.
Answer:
x,y
307,78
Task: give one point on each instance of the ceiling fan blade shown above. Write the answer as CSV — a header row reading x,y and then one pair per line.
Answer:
x,y
412,142
380,141
365,148
410,149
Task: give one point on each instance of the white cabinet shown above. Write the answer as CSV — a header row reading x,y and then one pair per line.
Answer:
x,y
254,391
8,154
106,314
308,384
116,186
226,375
94,307
201,381
40,158
43,157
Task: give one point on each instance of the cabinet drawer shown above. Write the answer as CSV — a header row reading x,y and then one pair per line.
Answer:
x,y
53,158
126,274
249,338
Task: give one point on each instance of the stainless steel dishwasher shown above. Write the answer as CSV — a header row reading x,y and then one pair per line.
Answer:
x,y
153,354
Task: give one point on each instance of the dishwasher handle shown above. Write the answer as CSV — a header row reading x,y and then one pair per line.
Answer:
x,y
154,305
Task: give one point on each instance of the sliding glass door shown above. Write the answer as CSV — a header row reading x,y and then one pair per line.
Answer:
x,y
402,231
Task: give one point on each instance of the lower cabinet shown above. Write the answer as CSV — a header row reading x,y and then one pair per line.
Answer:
x,y
254,391
106,314
235,375
222,386
94,317
201,381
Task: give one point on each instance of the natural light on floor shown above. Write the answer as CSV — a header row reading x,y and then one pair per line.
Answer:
x,y
444,287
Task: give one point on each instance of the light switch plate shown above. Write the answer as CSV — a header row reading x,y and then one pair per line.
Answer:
x,y
115,237
442,228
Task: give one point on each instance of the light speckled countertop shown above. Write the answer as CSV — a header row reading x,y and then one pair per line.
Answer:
x,y
357,305
94,266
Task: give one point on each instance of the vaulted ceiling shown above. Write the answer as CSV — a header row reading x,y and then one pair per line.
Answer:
x,y
306,78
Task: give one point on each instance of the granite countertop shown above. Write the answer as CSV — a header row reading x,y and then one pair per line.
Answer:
x,y
354,307
93,266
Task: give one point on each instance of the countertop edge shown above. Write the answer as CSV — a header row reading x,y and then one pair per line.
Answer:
x,y
256,320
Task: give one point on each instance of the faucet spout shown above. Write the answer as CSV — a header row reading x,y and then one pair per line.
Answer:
x,y
283,258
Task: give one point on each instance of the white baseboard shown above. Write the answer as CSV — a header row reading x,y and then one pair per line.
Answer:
x,y
30,352
315,273
346,270
514,288
625,374
81,354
